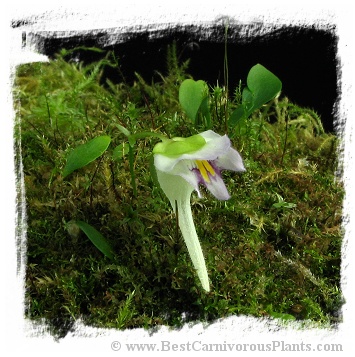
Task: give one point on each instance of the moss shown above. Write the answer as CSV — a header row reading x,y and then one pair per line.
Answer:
x,y
272,250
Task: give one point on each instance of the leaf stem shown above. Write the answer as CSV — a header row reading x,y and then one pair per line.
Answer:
x,y
131,170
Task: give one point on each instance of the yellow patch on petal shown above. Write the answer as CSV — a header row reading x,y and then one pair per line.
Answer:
x,y
204,167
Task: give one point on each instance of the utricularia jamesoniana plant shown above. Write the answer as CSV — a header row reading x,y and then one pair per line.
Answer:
x,y
182,164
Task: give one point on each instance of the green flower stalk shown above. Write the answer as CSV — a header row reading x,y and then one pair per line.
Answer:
x,y
182,164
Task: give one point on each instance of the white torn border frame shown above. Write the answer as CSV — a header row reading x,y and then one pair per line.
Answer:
x,y
24,336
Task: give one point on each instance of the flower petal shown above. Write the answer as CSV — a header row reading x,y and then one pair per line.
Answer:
x,y
193,177
215,147
210,135
217,187
231,161
175,187
165,163
212,149
181,169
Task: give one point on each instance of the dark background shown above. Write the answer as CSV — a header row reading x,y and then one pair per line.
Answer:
x,y
303,57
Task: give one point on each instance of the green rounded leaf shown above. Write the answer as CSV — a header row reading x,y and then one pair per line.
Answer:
x,y
96,238
86,153
263,85
191,95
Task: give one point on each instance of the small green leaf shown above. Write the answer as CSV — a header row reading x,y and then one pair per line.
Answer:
x,y
96,238
123,130
263,85
86,153
191,95
120,151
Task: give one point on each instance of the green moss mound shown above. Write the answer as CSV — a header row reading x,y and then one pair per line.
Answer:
x,y
273,249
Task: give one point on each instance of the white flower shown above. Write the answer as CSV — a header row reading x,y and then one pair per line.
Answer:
x,y
184,163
